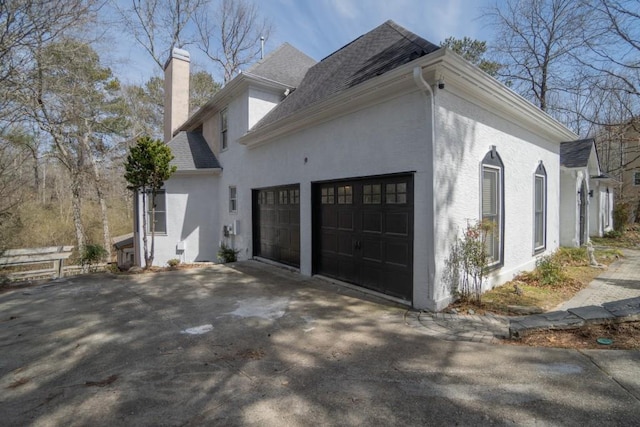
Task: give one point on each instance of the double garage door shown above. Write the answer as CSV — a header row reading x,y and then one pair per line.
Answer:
x,y
362,230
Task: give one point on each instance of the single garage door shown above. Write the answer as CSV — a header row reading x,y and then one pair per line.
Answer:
x,y
363,233
276,224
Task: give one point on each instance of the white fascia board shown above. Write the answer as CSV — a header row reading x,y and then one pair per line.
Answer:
x,y
192,172
459,76
496,97
224,96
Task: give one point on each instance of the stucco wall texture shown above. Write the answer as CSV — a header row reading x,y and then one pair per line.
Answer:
x,y
390,137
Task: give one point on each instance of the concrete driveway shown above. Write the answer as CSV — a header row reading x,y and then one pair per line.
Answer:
x,y
251,344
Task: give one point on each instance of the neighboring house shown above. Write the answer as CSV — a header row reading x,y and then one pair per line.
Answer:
x,y
619,153
125,252
586,195
363,167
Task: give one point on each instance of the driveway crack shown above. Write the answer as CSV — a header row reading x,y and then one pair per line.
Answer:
x,y
611,377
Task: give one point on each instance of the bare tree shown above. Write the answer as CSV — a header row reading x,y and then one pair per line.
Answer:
x,y
160,25
231,35
228,34
613,40
536,41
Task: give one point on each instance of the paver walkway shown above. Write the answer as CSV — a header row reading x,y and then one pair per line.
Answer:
x,y
620,281
618,288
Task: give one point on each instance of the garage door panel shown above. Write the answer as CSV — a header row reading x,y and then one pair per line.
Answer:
x,y
371,250
277,224
371,222
373,278
345,244
398,253
345,220
397,223
329,217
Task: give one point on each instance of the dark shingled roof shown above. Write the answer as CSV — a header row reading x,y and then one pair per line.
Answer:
x,y
376,52
575,154
192,152
285,65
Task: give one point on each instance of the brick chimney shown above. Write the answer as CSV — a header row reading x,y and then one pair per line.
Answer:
x,y
176,92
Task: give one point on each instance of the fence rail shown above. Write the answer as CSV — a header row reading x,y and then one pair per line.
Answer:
x,y
54,255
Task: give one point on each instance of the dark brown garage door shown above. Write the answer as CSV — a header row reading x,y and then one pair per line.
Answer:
x,y
363,233
276,224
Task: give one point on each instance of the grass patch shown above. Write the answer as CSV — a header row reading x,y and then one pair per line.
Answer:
x,y
557,278
630,238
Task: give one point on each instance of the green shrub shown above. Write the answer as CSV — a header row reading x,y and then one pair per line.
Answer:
x,y
613,234
92,254
227,254
571,256
549,270
173,262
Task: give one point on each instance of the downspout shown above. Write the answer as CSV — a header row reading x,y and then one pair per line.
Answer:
x,y
426,89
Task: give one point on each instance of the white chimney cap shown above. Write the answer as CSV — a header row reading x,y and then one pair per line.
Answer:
x,y
180,54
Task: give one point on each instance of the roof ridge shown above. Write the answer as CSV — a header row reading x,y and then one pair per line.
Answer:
x,y
403,32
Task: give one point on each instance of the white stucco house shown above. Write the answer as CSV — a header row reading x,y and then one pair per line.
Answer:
x,y
586,202
362,168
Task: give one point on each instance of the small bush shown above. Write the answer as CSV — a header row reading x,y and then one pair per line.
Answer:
x,y
92,254
549,269
173,262
227,254
467,262
613,234
572,256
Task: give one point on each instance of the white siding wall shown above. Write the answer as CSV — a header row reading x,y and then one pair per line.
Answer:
x,y
387,138
390,137
571,183
191,217
465,133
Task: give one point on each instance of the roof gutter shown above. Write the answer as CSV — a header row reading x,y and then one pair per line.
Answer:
x,y
430,102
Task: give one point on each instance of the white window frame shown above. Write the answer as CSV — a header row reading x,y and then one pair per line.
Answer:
x,y
636,178
160,193
498,215
607,209
233,199
224,119
540,210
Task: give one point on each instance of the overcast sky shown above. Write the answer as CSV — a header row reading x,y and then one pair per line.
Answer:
x,y
320,27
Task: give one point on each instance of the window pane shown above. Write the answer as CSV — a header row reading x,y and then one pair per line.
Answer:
x,y
160,212
371,194
539,231
490,208
283,197
489,192
161,222
539,212
327,196
345,195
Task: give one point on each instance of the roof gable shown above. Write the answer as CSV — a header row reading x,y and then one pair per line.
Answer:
x,y
286,64
576,154
376,52
192,152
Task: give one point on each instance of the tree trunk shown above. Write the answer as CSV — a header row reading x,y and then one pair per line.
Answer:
x,y
153,227
147,260
76,203
103,203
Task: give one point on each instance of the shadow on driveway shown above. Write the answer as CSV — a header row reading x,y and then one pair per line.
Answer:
x,y
248,343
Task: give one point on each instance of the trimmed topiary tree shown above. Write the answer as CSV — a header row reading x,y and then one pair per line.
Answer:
x,y
146,169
